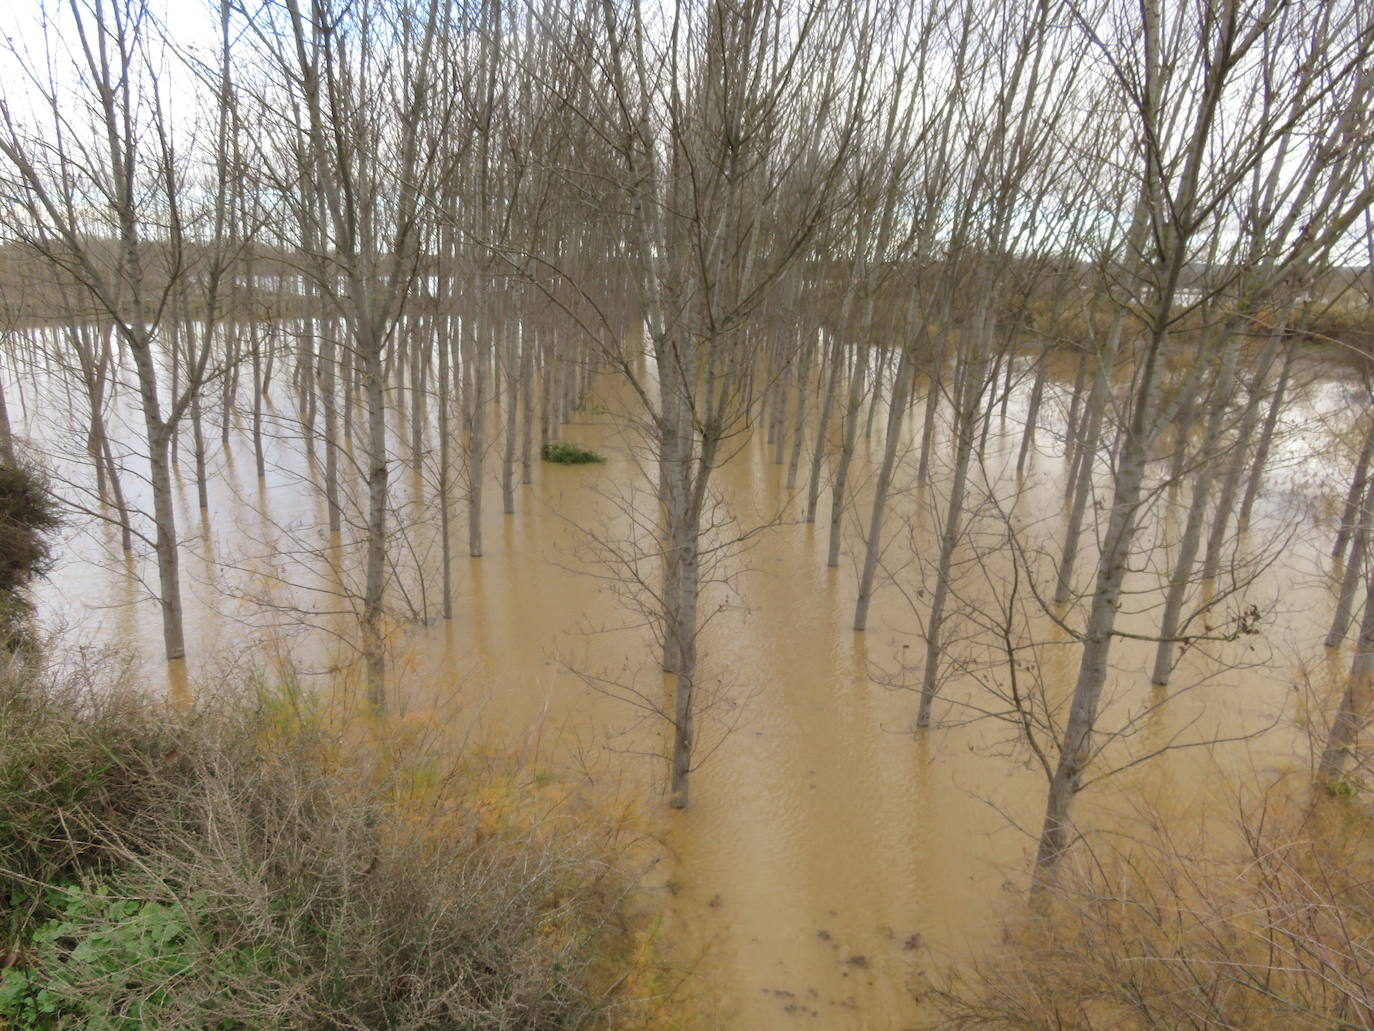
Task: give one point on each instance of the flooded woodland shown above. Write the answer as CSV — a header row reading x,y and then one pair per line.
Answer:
x,y
908,469
832,855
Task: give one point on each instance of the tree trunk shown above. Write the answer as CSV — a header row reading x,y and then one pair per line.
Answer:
x,y
1356,491
895,414
1354,570
477,440
1236,468
511,369
1087,456
1032,413
1266,441
1077,747
799,416
1350,715
813,491
164,519
1197,511
848,442
374,643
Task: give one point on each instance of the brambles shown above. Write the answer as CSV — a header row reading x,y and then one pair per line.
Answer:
x,y
563,453
269,864
1271,931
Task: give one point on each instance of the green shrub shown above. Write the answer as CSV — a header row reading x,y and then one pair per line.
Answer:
x,y
568,454
117,960
28,516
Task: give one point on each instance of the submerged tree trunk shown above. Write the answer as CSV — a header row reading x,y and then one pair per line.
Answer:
x,y
1351,714
1356,491
1216,537
1266,440
970,382
1354,570
1032,413
799,416
1188,546
510,367
895,414
1076,749
477,440
329,395
1082,483
444,400
813,491
847,444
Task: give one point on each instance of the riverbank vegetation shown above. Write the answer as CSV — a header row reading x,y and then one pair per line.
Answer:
x,y
260,863
1261,918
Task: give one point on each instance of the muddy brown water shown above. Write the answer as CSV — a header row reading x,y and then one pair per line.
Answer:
x,y
832,862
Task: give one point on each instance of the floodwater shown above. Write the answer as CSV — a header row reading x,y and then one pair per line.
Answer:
x,y
832,862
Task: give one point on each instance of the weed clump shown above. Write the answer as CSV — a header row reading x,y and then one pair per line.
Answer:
x,y
564,453
256,864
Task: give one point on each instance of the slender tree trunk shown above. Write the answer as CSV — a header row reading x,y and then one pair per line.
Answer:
x,y
329,396
969,383
684,693
259,389
527,350
1077,747
1266,441
1230,486
477,440
374,642
1354,570
126,530
1182,578
6,434
928,422
228,398
895,414
198,439
1350,716
848,442
813,490
444,399
1071,429
1032,413
510,367
876,396
1087,454
1356,491
808,349
548,362
777,430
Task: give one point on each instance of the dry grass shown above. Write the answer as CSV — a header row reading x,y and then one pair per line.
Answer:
x,y
1275,933
254,864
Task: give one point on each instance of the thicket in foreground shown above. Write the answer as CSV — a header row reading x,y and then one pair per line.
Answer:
x,y
256,866
1275,931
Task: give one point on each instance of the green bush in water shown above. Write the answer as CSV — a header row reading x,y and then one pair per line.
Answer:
x,y
28,517
568,454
